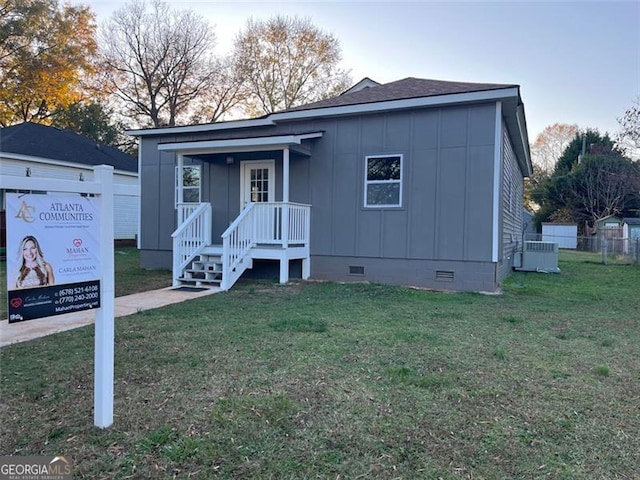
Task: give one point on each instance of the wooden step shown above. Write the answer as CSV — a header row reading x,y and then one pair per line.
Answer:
x,y
194,282
205,270
212,250
206,266
201,274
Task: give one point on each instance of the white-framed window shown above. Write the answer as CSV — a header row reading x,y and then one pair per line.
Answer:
x,y
188,183
383,181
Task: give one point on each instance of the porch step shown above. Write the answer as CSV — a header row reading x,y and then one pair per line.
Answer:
x,y
212,250
194,282
206,270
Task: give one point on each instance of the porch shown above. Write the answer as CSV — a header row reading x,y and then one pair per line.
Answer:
x,y
263,230
252,176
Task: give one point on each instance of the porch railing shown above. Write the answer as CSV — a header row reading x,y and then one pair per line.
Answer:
x,y
184,210
237,240
264,223
191,236
271,226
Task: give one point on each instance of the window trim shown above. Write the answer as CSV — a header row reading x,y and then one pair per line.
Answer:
x,y
180,187
382,182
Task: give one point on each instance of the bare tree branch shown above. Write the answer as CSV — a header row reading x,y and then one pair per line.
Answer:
x,y
158,60
287,61
550,144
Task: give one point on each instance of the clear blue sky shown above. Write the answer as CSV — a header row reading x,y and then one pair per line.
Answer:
x,y
576,62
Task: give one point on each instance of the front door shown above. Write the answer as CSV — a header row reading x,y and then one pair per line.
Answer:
x,y
257,182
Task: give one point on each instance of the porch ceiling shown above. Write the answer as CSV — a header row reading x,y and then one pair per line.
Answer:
x,y
249,144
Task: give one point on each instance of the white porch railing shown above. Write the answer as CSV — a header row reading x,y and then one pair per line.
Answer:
x,y
191,236
271,227
184,210
237,240
266,223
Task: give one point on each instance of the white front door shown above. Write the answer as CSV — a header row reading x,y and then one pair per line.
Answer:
x,y
258,182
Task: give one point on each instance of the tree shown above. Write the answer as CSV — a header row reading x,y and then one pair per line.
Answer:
x,y
93,120
226,91
604,183
158,61
587,139
532,183
584,188
287,61
45,54
550,144
545,152
628,139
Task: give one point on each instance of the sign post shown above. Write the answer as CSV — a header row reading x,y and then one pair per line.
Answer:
x,y
104,323
77,272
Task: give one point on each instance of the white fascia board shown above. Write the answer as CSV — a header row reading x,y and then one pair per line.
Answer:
x,y
208,127
237,145
59,163
486,95
524,137
497,183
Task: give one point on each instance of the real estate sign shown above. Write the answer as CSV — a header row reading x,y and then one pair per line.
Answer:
x,y
53,254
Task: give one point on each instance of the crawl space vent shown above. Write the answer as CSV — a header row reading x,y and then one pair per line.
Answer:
x,y
356,270
444,276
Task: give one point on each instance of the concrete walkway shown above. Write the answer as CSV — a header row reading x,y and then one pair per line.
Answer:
x,y
127,305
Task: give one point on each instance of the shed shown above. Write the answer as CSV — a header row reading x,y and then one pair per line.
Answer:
x,y
564,234
631,228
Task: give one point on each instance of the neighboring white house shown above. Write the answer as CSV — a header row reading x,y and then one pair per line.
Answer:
x,y
35,150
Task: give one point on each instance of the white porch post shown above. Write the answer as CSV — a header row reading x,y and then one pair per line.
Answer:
x,y
179,187
284,262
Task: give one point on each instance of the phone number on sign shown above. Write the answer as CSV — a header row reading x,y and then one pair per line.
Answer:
x,y
77,294
77,298
77,290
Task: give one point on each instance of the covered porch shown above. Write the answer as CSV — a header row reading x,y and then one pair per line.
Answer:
x,y
243,209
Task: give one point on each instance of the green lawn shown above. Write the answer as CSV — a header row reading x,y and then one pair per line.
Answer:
x,y
322,380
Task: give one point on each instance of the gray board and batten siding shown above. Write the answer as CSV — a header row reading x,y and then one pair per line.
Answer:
x,y
511,212
442,235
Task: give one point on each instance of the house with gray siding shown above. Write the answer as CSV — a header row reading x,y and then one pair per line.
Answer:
x,y
414,182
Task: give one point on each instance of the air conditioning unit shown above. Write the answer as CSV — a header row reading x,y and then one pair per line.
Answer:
x,y
538,257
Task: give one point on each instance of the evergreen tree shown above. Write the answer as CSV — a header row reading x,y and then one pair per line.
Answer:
x,y
586,187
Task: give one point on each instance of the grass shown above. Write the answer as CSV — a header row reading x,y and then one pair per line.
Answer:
x,y
322,380
129,277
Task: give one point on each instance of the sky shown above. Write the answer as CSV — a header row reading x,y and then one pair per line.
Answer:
x,y
576,62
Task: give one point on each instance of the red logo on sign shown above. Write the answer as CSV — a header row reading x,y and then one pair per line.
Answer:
x,y
16,302
77,242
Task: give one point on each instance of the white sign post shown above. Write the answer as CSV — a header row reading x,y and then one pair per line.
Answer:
x,y
104,327
103,187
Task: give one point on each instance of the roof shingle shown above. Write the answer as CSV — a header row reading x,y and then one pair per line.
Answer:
x,y
400,90
35,140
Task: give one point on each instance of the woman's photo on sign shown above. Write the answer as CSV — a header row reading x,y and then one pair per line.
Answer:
x,y
34,270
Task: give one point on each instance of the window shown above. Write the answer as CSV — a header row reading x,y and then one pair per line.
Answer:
x,y
188,184
383,181
259,184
